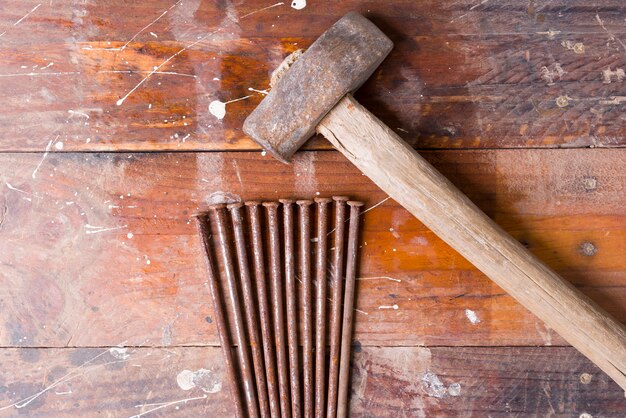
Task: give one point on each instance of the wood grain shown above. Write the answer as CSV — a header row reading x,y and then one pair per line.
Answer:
x,y
428,195
462,74
386,382
99,248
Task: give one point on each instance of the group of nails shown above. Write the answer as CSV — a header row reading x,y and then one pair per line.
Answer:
x,y
270,365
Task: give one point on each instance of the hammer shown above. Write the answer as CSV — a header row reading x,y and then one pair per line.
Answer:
x,y
315,95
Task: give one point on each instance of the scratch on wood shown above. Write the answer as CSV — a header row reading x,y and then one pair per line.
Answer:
x,y
551,33
40,74
611,34
22,403
45,154
22,18
97,229
376,205
260,10
15,189
147,72
470,9
379,277
202,38
165,405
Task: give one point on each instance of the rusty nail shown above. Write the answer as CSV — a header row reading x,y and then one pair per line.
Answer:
x,y
307,305
218,212
320,305
292,307
277,303
336,301
348,309
264,307
220,316
249,307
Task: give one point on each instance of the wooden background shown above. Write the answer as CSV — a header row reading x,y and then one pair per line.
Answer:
x,y
103,301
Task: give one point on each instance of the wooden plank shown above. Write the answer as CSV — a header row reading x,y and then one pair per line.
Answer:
x,y
399,381
96,249
462,74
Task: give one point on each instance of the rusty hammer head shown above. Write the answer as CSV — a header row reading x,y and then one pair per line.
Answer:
x,y
339,62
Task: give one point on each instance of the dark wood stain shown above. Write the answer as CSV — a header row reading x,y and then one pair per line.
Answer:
x,y
97,248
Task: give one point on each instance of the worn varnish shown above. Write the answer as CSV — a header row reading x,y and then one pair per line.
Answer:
x,y
461,75
391,381
100,248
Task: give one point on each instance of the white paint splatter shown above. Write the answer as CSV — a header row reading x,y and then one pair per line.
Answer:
x,y
58,146
39,74
156,68
471,8
298,4
259,91
91,229
551,33
15,189
180,51
577,47
611,34
120,353
454,389
376,205
550,75
260,10
471,315
78,113
396,307
147,72
72,374
45,154
205,379
434,387
22,18
162,405
379,277
608,74
130,235
67,392
218,108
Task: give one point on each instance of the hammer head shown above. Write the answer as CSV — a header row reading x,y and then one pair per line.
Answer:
x,y
339,62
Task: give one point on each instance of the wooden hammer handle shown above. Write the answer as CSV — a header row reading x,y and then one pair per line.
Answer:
x,y
415,184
